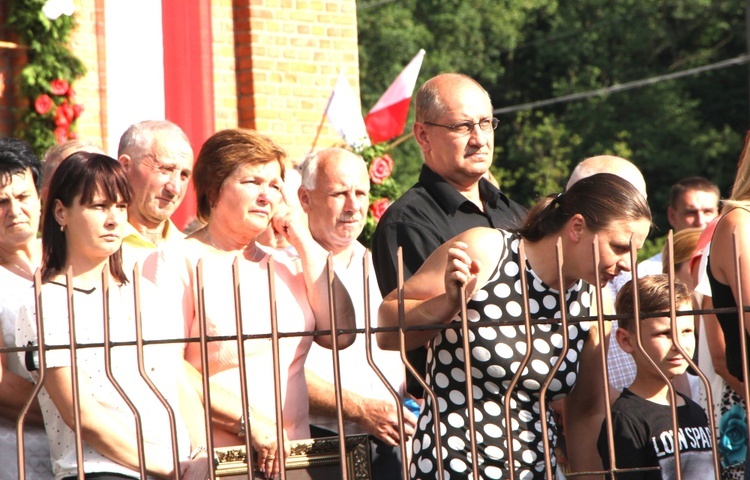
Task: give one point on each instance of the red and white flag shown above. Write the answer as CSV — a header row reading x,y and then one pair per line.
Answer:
x,y
387,119
345,114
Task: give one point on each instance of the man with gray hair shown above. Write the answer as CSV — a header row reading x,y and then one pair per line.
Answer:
x,y
335,195
158,161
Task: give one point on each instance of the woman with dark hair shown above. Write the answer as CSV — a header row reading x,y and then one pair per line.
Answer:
x,y
486,262
20,256
238,177
82,233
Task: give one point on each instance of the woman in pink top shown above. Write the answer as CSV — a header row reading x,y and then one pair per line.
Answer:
x,y
238,179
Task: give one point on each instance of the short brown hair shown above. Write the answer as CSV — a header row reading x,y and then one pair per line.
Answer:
x,y
691,184
653,297
221,154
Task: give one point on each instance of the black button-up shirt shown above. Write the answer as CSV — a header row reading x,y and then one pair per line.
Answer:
x,y
429,214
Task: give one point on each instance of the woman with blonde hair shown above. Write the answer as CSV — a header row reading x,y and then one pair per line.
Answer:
x,y
725,289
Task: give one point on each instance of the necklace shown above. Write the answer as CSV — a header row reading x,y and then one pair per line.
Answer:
x,y
210,240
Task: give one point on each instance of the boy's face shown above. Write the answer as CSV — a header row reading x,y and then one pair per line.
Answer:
x,y
656,336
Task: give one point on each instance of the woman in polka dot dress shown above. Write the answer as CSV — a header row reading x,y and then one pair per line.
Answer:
x,y
603,208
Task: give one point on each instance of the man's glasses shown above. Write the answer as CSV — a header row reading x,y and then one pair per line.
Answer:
x,y
465,128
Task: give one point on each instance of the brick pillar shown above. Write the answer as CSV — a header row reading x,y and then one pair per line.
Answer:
x,y
12,60
288,56
87,43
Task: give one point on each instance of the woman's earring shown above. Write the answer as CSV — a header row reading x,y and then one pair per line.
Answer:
x,y
62,228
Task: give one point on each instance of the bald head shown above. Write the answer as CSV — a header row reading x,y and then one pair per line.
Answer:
x,y
609,164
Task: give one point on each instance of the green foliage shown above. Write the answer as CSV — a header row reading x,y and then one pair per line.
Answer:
x,y
651,247
382,187
49,59
528,50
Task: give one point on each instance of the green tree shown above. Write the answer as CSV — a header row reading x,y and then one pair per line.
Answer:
x,y
525,51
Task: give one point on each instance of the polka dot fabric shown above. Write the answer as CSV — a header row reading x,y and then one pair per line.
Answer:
x,y
496,353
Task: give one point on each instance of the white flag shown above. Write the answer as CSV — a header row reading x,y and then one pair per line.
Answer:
x,y
345,114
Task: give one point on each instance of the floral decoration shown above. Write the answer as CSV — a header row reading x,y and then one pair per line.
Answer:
x,y
733,436
381,168
383,190
46,81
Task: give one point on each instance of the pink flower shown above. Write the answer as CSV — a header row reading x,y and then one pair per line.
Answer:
x,y
43,104
59,86
71,95
378,207
381,168
61,134
77,109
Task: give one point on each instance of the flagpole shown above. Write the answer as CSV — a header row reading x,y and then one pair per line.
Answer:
x,y
320,129
401,140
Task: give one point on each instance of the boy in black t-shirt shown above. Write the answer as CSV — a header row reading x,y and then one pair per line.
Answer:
x,y
642,416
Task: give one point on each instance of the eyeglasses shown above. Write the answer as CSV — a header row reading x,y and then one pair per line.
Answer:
x,y
465,128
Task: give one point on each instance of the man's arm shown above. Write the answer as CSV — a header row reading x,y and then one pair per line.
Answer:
x,y
378,417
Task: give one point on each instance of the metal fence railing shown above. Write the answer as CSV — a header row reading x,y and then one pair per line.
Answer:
x,y
466,326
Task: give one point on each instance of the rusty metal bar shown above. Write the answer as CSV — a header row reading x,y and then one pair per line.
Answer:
x,y
330,277
42,352
241,362
201,313
376,369
410,368
142,370
524,362
74,372
110,375
469,383
563,354
276,368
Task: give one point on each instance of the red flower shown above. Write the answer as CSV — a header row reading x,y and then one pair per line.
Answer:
x,y
378,207
72,135
68,111
71,95
61,134
77,109
59,86
61,118
43,104
381,168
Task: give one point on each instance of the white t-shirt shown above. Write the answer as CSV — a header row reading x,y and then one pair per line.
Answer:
x,y
16,291
161,361
356,373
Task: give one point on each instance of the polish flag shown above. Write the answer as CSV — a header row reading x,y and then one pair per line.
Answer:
x,y
345,114
387,119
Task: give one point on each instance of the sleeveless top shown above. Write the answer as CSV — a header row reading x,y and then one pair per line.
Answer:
x,y
724,298
497,351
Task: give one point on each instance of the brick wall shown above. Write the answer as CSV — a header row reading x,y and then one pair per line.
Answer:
x,y
87,43
12,60
288,55
275,64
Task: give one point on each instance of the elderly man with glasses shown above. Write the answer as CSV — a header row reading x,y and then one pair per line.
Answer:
x,y
455,129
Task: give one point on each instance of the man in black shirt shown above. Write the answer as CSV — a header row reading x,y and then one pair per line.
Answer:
x,y
455,130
